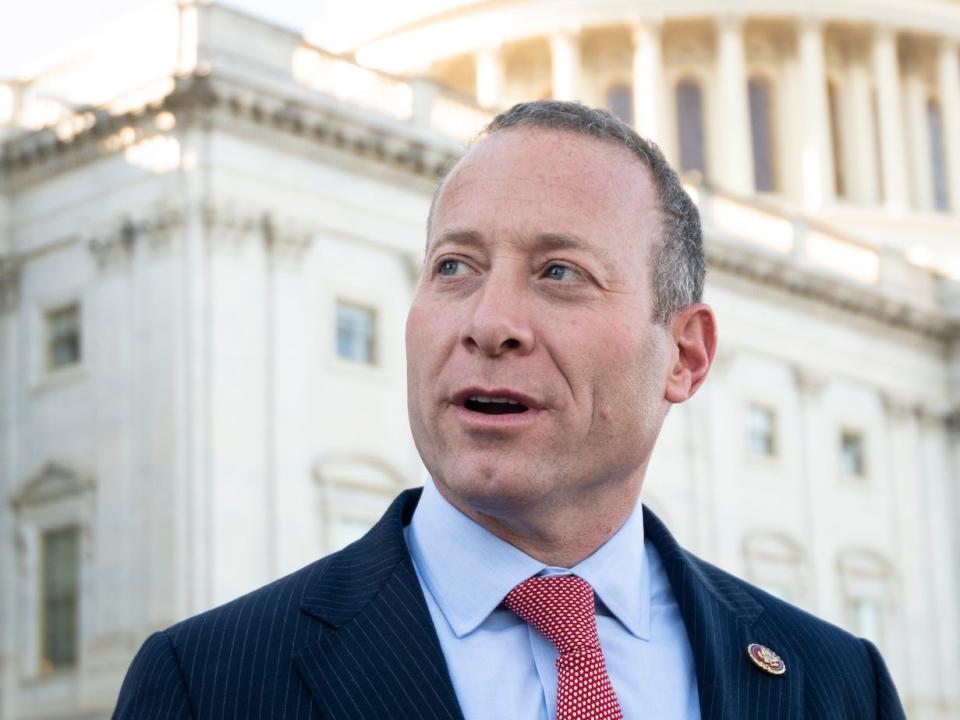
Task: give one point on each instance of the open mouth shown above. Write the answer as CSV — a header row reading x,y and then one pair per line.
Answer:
x,y
494,405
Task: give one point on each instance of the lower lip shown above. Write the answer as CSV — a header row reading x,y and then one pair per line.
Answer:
x,y
504,421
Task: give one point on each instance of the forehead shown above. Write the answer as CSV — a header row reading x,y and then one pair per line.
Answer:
x,y
526,181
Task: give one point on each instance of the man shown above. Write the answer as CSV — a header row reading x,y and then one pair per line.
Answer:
x,y
556,319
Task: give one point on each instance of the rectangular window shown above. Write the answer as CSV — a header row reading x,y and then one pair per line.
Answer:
x,y
60,578
761,431
852,460
63,337
356,333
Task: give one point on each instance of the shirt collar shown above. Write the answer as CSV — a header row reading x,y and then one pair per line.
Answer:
x,y
469,570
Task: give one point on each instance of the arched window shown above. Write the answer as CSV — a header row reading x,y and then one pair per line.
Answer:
x,y
775,562
355,489
690,132
761,132
620,102
938,165
836,140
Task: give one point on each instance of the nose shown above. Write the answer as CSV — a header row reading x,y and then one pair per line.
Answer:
x,y
499,321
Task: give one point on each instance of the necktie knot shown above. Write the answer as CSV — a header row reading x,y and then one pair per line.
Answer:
x,y
560,607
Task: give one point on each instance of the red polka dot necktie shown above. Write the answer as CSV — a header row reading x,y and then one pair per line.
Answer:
x,y
560,607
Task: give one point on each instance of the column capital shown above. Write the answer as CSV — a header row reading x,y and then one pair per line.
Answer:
x,y
644,25
808,22
810,381
730,22
884,31
567,32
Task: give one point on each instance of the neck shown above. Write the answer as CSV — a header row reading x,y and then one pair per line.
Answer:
x,y
560,534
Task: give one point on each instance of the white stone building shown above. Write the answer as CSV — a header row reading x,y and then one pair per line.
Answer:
x,y
210,232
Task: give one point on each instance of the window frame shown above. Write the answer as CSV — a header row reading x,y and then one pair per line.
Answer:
x,y
57,496
49,313
47,666
374,340
864,473
774,454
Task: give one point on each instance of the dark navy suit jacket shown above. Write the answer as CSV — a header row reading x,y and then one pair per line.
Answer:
x,y
350,636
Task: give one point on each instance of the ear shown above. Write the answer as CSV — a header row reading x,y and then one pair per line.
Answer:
x,y
694,334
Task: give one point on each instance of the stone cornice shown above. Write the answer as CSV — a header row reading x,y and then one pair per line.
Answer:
x,y
207,99
463,29
785,274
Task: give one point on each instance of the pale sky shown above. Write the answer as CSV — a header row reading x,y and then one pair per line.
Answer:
x,y
36,34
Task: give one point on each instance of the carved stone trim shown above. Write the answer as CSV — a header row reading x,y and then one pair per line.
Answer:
x,y
229,228
782,273
54,481
897,407
287,243
206,97
116,246
810,382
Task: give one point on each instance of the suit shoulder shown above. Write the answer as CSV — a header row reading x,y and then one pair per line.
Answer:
x,y
276,602
777,610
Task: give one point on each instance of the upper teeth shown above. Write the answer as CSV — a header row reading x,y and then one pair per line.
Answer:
x,y
485,399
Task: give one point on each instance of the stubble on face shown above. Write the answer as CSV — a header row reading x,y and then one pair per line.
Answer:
x,y
586,349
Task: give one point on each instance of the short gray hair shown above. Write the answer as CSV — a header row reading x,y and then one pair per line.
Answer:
x,y
678,261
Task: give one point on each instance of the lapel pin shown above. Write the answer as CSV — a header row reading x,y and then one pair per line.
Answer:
x,y
766,659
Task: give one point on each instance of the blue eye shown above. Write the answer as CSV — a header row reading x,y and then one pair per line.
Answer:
x,y
448,267
560,272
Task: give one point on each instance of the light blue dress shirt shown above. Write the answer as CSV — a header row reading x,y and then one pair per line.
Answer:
x,y
503,668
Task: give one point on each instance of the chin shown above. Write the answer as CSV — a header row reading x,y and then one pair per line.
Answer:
x,y
489,489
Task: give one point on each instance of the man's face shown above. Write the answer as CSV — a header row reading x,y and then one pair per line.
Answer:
x,y
535,372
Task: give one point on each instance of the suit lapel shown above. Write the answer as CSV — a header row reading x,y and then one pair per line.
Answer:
x,y
378,655
721,620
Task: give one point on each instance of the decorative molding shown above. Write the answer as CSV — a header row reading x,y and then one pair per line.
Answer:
x,y
227,228
54,481
784,274
209,98
115,247
897,407
230,228
809,381
10,271
287,243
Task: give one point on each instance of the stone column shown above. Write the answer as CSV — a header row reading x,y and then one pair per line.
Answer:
x,y
648,80
565,64
490,76
816,159
889,110
736,153
948,76
817,472
860,142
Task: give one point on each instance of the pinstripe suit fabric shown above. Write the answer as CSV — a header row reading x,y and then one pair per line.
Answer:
x,y
350,637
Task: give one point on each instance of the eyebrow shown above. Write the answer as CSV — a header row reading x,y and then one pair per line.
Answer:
x,y
543,241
